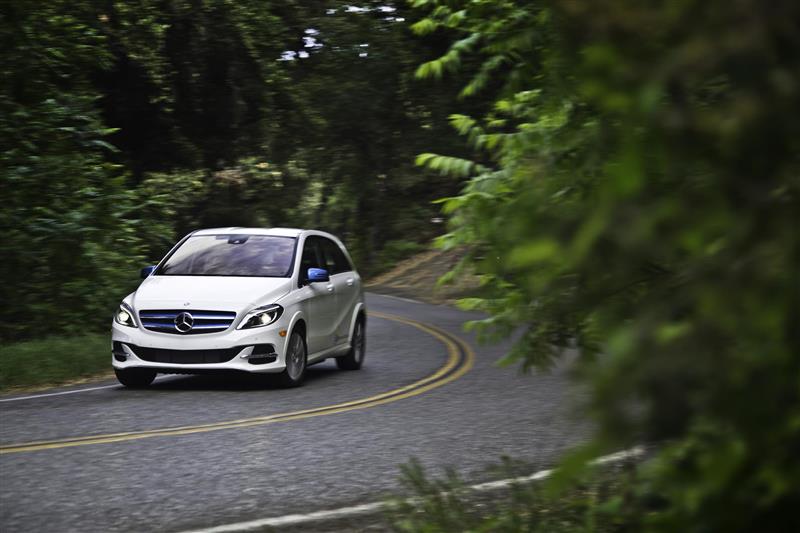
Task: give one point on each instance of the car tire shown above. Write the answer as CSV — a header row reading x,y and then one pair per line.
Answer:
x,y
358,348
296,362
135,378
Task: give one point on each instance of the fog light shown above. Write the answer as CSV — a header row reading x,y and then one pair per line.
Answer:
x,y
259,350
261,354
262,359
118,351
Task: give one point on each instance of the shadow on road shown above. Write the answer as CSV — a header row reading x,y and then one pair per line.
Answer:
x,y
233,381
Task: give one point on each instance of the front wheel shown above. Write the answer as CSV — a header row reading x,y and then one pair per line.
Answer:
x,y
358,347
295,371
135,378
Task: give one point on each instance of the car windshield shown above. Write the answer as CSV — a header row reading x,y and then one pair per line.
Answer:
x,y
232,255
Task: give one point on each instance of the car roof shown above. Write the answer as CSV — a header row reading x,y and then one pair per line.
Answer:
x,y
278,232
236,230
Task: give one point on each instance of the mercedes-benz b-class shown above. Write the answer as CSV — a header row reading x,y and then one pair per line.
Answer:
x,y
245,299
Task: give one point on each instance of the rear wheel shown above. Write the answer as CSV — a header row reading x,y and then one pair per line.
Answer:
x,y
358,347
295,371
135,378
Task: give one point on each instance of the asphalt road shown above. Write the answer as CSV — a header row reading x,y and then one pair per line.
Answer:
x,y
417,396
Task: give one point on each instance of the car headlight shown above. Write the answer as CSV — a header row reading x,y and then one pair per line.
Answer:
x,y
124,316
261,316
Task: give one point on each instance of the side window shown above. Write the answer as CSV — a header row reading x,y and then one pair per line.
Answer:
x,y
346,264
311,256
335,260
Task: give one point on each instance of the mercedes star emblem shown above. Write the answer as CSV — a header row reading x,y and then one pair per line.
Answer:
x,y
184,322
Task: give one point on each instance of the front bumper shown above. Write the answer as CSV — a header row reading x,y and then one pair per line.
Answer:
x,y
231,349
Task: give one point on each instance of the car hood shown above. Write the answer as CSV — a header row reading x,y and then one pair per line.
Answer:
x,y
212,293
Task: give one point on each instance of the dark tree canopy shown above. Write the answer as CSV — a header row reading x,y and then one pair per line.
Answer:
x,y
126,125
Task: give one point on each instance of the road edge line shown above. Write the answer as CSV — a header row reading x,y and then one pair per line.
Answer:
x,y
367,508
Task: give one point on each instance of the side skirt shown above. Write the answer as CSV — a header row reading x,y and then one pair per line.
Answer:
x,y
336,351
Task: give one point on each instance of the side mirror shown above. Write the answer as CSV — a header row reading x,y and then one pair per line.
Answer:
x,y
146,271
317,274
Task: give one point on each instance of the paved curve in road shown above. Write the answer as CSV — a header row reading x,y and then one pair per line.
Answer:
x,y
197,451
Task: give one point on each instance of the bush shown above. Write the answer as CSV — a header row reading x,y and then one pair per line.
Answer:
x,y
393,252
636,197
53,360
599,501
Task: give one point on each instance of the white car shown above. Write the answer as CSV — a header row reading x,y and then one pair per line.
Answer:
x,y
243,299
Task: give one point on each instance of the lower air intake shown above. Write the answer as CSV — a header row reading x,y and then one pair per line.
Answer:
x,y
185,357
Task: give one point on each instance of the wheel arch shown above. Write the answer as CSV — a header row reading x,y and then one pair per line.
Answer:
x,y
359,313
298,321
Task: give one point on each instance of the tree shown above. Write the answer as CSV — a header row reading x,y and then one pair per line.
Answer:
x,y
638,200
126,125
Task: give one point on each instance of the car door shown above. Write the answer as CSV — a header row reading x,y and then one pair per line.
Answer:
x,y
346,285
320,299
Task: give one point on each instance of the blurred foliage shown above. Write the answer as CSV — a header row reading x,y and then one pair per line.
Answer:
x,y
597,501
636,196
123,126
395,251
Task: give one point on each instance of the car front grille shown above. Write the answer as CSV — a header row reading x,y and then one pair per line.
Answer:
x,y
186,322
185,357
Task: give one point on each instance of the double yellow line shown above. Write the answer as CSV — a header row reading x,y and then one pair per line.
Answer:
x,y
460,359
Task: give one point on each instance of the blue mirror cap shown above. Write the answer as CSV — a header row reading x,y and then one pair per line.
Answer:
x,y
317,274
146,271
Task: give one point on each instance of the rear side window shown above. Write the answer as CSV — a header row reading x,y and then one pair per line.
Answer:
x,y
335,260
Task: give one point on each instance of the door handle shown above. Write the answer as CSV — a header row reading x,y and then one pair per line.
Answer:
x,y
329,288
350,282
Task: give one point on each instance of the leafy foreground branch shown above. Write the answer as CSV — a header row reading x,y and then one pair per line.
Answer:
x,y
599,500
634,193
